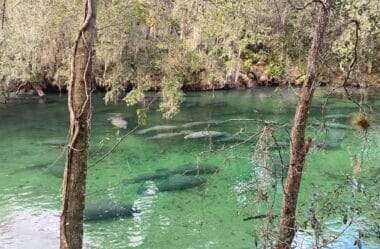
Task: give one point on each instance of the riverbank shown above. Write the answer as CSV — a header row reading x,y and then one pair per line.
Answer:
x,y
255,77
38,93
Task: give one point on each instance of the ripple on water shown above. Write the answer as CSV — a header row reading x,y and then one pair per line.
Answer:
x,y
141,220
346,238
30,227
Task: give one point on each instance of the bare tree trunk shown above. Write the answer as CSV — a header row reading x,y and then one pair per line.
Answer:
x,y
3,14
79,104
298,147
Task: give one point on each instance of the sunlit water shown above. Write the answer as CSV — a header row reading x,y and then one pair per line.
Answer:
x,y
33,134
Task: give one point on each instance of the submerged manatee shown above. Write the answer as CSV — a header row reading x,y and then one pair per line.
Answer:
x,y
158,174
233,139
32,167
195,169
54,143
168,135
197,123
332,125
119,122
156,128
204,134
107,209
57,169
338,116
324,145
187,169
180,182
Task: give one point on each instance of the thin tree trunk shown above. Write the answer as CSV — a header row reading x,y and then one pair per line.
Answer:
x,y
79,104
298,147
3,14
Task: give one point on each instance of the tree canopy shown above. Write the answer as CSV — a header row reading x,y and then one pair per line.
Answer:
x,y
173,45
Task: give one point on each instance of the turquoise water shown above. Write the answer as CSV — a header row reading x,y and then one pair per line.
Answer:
x,y
32,136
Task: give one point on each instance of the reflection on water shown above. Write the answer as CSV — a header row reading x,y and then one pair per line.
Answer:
x,y
340,236
141,219
208,216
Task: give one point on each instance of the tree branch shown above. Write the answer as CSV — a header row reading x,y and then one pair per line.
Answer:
x,y
3,14
355,56
352,63
88,15
306,5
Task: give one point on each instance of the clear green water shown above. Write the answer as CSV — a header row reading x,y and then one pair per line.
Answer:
x,y
203,217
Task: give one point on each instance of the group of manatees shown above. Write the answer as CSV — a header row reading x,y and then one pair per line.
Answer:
x,y
172,131
177,179
181,178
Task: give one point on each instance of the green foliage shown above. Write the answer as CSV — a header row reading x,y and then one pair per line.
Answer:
x,y
274,70
36,78
142,116
144,44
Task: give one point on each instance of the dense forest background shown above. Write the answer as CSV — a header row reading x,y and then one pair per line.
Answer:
x,y
191,45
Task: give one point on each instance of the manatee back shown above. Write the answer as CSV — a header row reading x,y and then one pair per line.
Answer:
x,y
196,169
181,182
107,209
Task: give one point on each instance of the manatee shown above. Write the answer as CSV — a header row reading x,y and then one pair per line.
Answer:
x,y
315,144
108,209
332,125
56,170
204,134
187,169
325,145
260,216
180,182
280,145
119,122
232,139
32,167
338,116
195,169
165,135
158,174
169,135
191,124
156,128
339,126
54,143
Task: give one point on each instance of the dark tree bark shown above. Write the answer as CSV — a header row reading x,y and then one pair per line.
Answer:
x,y
79,104
298,147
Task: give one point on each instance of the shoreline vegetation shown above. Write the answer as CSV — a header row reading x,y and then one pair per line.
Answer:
x,y
28,91
190,46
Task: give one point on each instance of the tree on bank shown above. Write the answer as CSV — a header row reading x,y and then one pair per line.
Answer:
x,y
299,146
79,104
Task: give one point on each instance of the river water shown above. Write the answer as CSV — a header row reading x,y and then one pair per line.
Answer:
x,y
339,192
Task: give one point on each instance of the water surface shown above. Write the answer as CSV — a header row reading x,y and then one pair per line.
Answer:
x,y
33,136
